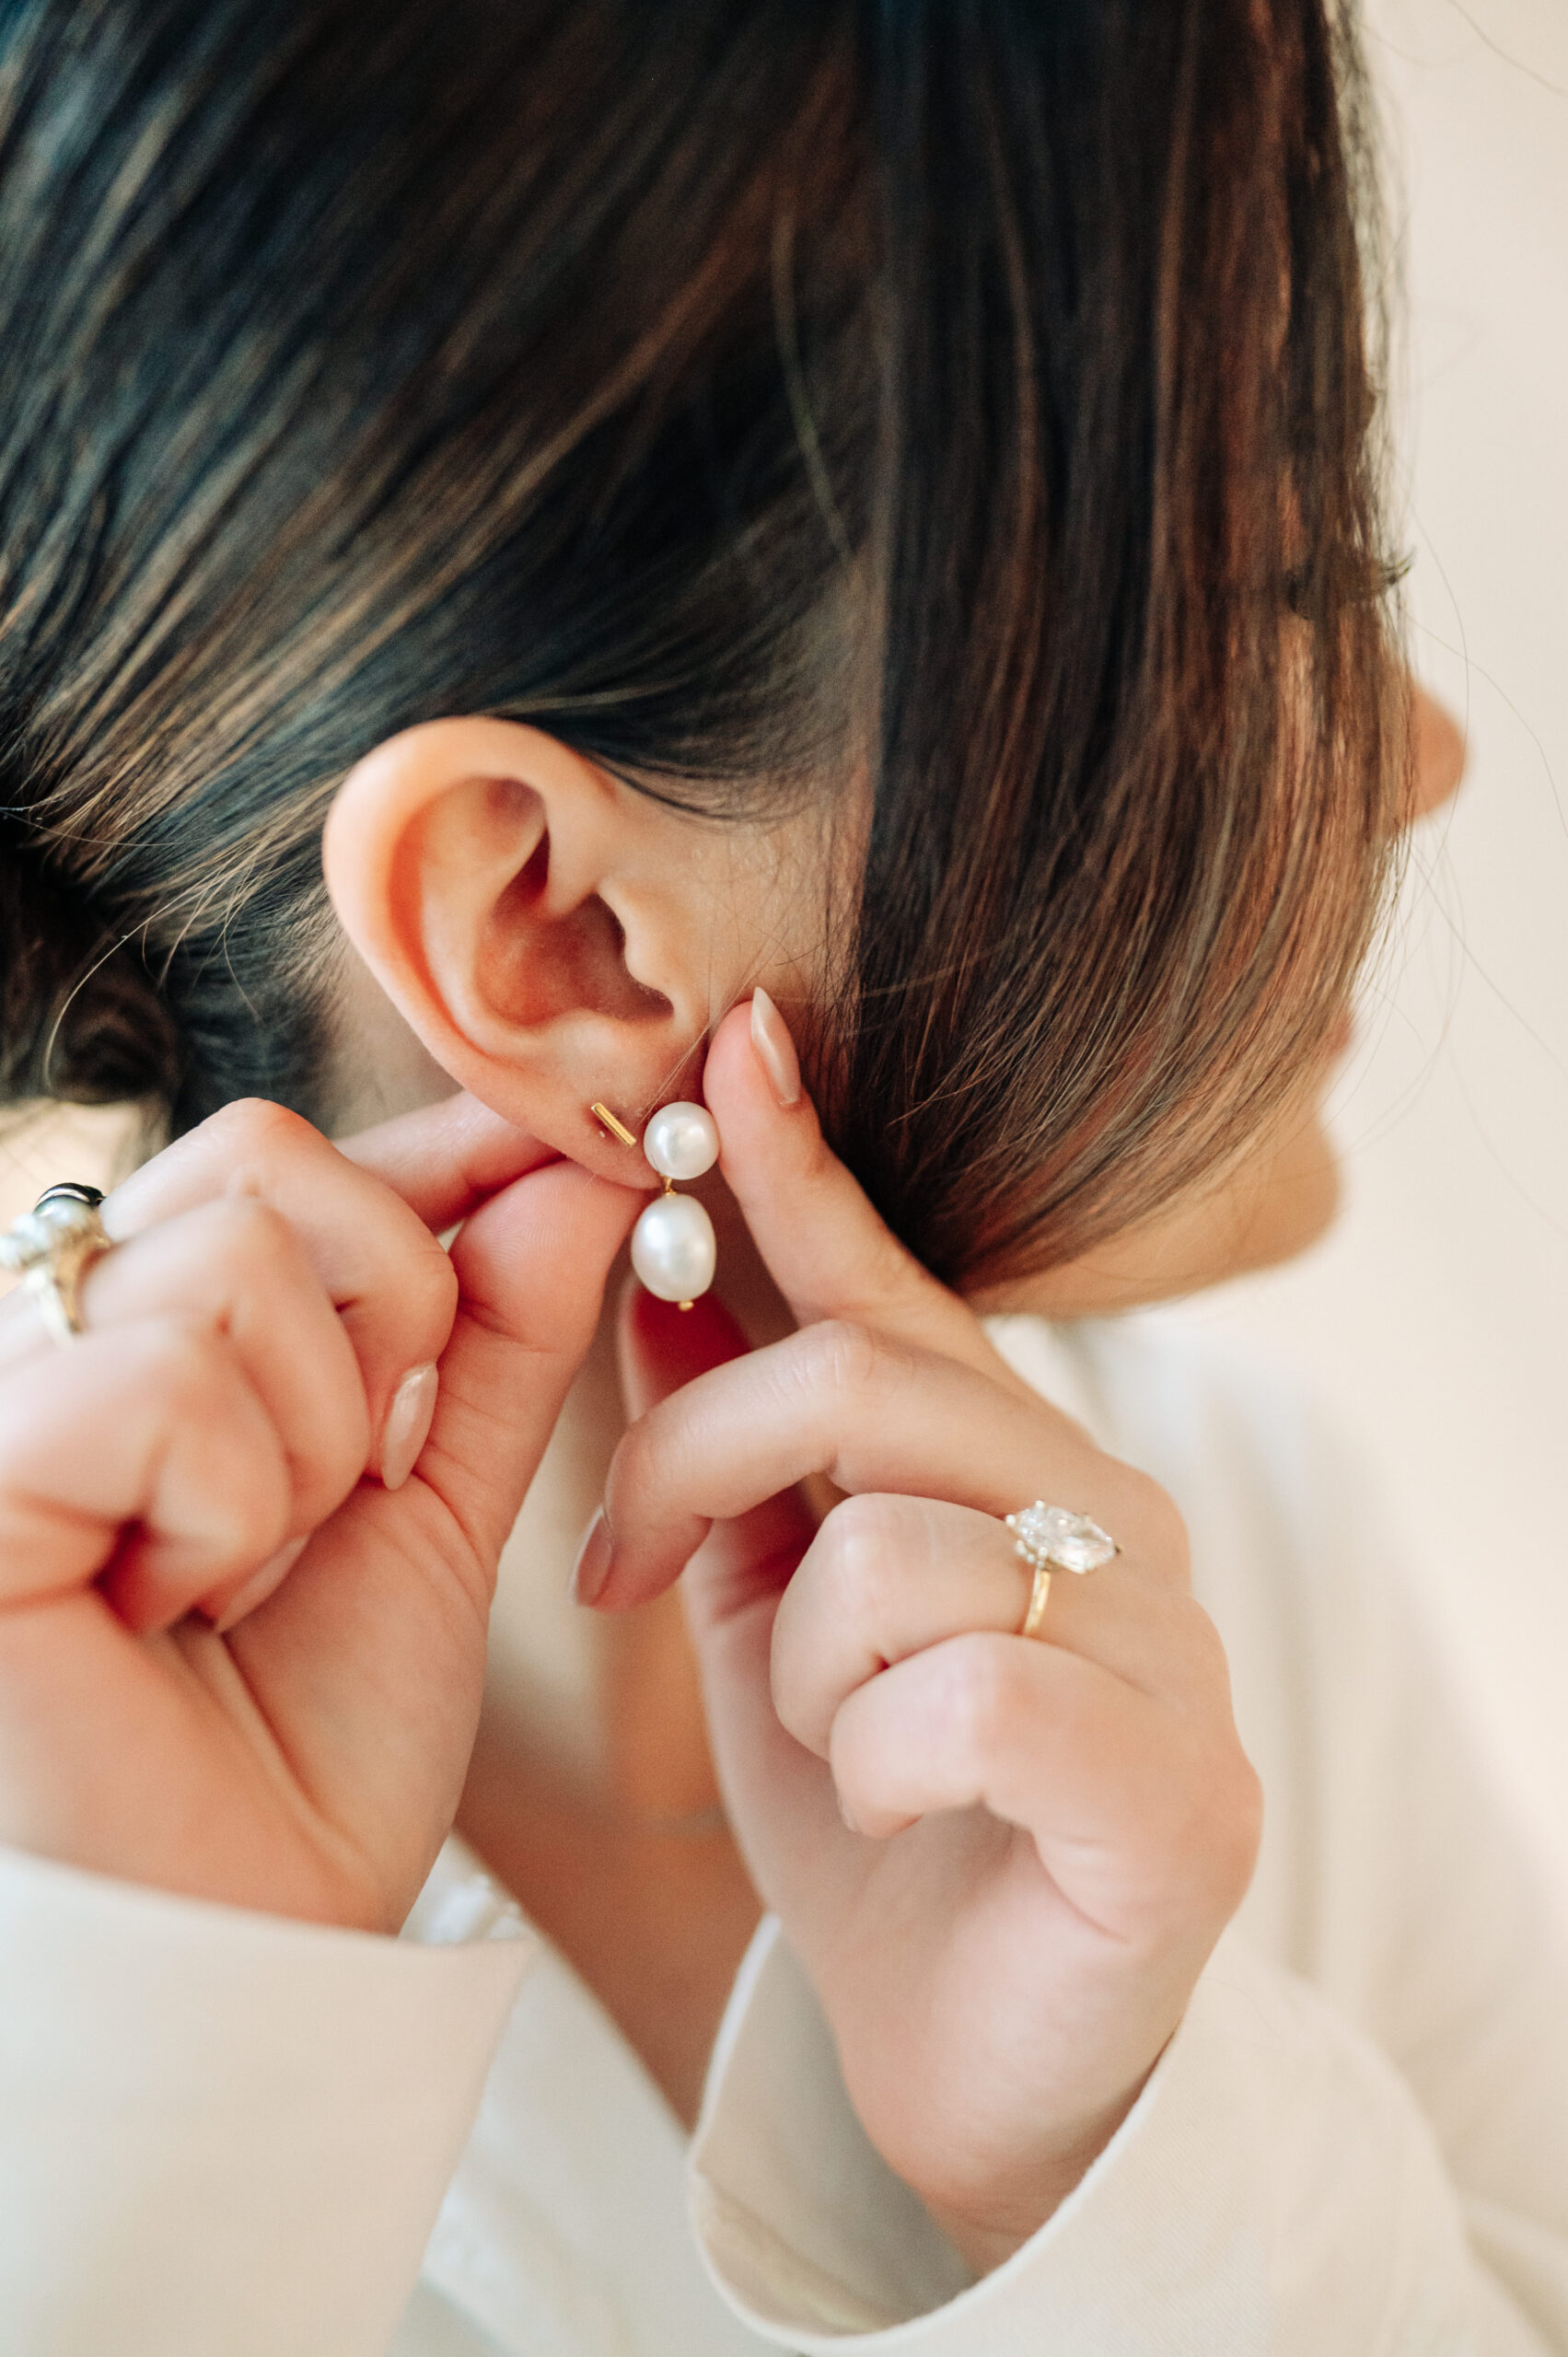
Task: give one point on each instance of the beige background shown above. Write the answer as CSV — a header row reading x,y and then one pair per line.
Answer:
x,y
1435,1318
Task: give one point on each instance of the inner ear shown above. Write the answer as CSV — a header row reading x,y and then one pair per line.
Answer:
x,y
534,964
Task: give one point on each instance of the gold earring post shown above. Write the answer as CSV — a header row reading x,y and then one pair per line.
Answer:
x,y
607,1120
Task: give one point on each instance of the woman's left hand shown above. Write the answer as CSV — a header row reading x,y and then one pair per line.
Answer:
x,y
1002,1861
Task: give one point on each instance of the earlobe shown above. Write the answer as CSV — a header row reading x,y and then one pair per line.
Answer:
x,y
524,915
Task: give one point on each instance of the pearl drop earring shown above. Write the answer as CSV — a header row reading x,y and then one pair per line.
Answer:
x,y
673,1247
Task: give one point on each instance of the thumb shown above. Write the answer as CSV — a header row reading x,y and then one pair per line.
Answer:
x,y
531,1266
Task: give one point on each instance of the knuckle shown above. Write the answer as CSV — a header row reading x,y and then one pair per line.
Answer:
x,y
251,1238
846,1355
253,1128
857,1541
985,1695
185,1363
1161,1525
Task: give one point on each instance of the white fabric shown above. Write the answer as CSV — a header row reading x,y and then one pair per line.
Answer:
x,y
225,2136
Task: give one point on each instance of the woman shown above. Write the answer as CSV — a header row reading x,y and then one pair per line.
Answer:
x,y
816,556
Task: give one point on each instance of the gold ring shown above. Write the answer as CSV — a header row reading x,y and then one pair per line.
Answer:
x,y
51,1249
1053,1538
1040,1594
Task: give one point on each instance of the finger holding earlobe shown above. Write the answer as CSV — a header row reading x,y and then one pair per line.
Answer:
x,y
827,1250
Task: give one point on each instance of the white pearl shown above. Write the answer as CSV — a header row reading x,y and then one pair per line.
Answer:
x,y
681,1140
674,1249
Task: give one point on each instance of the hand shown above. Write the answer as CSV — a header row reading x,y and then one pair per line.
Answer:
x,y
211,1440
1002,1861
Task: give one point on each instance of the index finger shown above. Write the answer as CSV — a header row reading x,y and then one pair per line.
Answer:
x,y
826,1246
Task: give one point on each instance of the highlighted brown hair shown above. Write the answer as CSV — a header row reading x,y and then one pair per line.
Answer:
x,y
745,391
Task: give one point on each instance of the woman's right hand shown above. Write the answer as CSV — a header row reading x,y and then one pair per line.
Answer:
x,y
208,1451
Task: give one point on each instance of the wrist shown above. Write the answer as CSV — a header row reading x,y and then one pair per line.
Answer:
x,y
986,2232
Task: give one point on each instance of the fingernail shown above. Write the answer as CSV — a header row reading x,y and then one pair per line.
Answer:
x,y
407,1427
592,1567
775,1048
259,1586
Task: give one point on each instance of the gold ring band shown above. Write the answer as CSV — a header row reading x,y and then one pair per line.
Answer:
x,y
1040,1595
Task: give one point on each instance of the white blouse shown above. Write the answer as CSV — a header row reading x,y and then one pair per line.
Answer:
x,y
225,2135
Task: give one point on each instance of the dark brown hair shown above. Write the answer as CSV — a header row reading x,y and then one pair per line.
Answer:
x,y
740,389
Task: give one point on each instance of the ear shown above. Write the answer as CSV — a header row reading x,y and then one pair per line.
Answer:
x,y
543,929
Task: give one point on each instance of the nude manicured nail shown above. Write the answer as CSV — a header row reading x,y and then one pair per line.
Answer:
x,y
592,1567
259,1586
407,1427
775,1048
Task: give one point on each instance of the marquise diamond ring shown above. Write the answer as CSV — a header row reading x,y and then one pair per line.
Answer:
x,y
1053,1538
